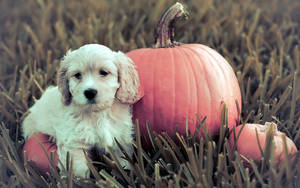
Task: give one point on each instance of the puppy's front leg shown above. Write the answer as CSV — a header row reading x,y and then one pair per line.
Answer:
x,y
80,167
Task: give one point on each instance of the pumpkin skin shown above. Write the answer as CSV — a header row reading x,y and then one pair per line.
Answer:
x,y
35,153
182,81
247,143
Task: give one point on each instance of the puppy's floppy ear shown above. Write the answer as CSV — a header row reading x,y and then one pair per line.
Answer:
x,y
128,91
63,85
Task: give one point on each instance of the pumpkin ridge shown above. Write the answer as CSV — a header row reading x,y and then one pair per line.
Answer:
x,y
216,65
228,68
141,55
148,98
223,65
202,64
183,50
219,57
152,105
153,56
187,47
191,81
173,71
184,66
220,66
228,93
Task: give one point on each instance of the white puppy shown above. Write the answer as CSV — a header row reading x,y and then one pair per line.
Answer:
x,y
89,107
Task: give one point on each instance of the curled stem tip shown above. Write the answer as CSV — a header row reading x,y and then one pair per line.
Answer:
x,y
165,30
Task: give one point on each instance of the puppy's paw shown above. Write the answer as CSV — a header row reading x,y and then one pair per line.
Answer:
x,y
81,170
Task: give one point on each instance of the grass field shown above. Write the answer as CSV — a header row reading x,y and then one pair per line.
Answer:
x,y
260,39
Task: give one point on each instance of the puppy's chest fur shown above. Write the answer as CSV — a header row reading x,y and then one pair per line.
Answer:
x,y
95,129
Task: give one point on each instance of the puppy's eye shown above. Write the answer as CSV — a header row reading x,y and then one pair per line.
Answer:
x,y
103,72
78,75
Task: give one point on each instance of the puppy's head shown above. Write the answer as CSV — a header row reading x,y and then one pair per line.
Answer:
x,y
93,77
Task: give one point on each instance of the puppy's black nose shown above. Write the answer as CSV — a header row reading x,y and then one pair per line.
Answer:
x,y
90,94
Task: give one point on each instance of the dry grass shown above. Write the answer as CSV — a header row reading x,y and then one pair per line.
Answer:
x,y
259,38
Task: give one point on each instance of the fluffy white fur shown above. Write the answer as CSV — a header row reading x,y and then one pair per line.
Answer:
x,y
65,113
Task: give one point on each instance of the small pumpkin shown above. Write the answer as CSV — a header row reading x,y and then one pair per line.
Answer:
x,y
34,152
250,137
182,80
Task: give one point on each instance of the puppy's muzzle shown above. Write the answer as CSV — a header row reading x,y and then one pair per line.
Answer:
x,y
90,94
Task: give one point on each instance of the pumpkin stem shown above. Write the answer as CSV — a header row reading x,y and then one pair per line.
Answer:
x,y
272,126
165,30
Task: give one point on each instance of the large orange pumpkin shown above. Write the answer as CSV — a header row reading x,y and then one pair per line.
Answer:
x,y
182,80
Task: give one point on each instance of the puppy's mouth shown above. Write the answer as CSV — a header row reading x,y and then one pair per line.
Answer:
x,y
92,106
91,102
